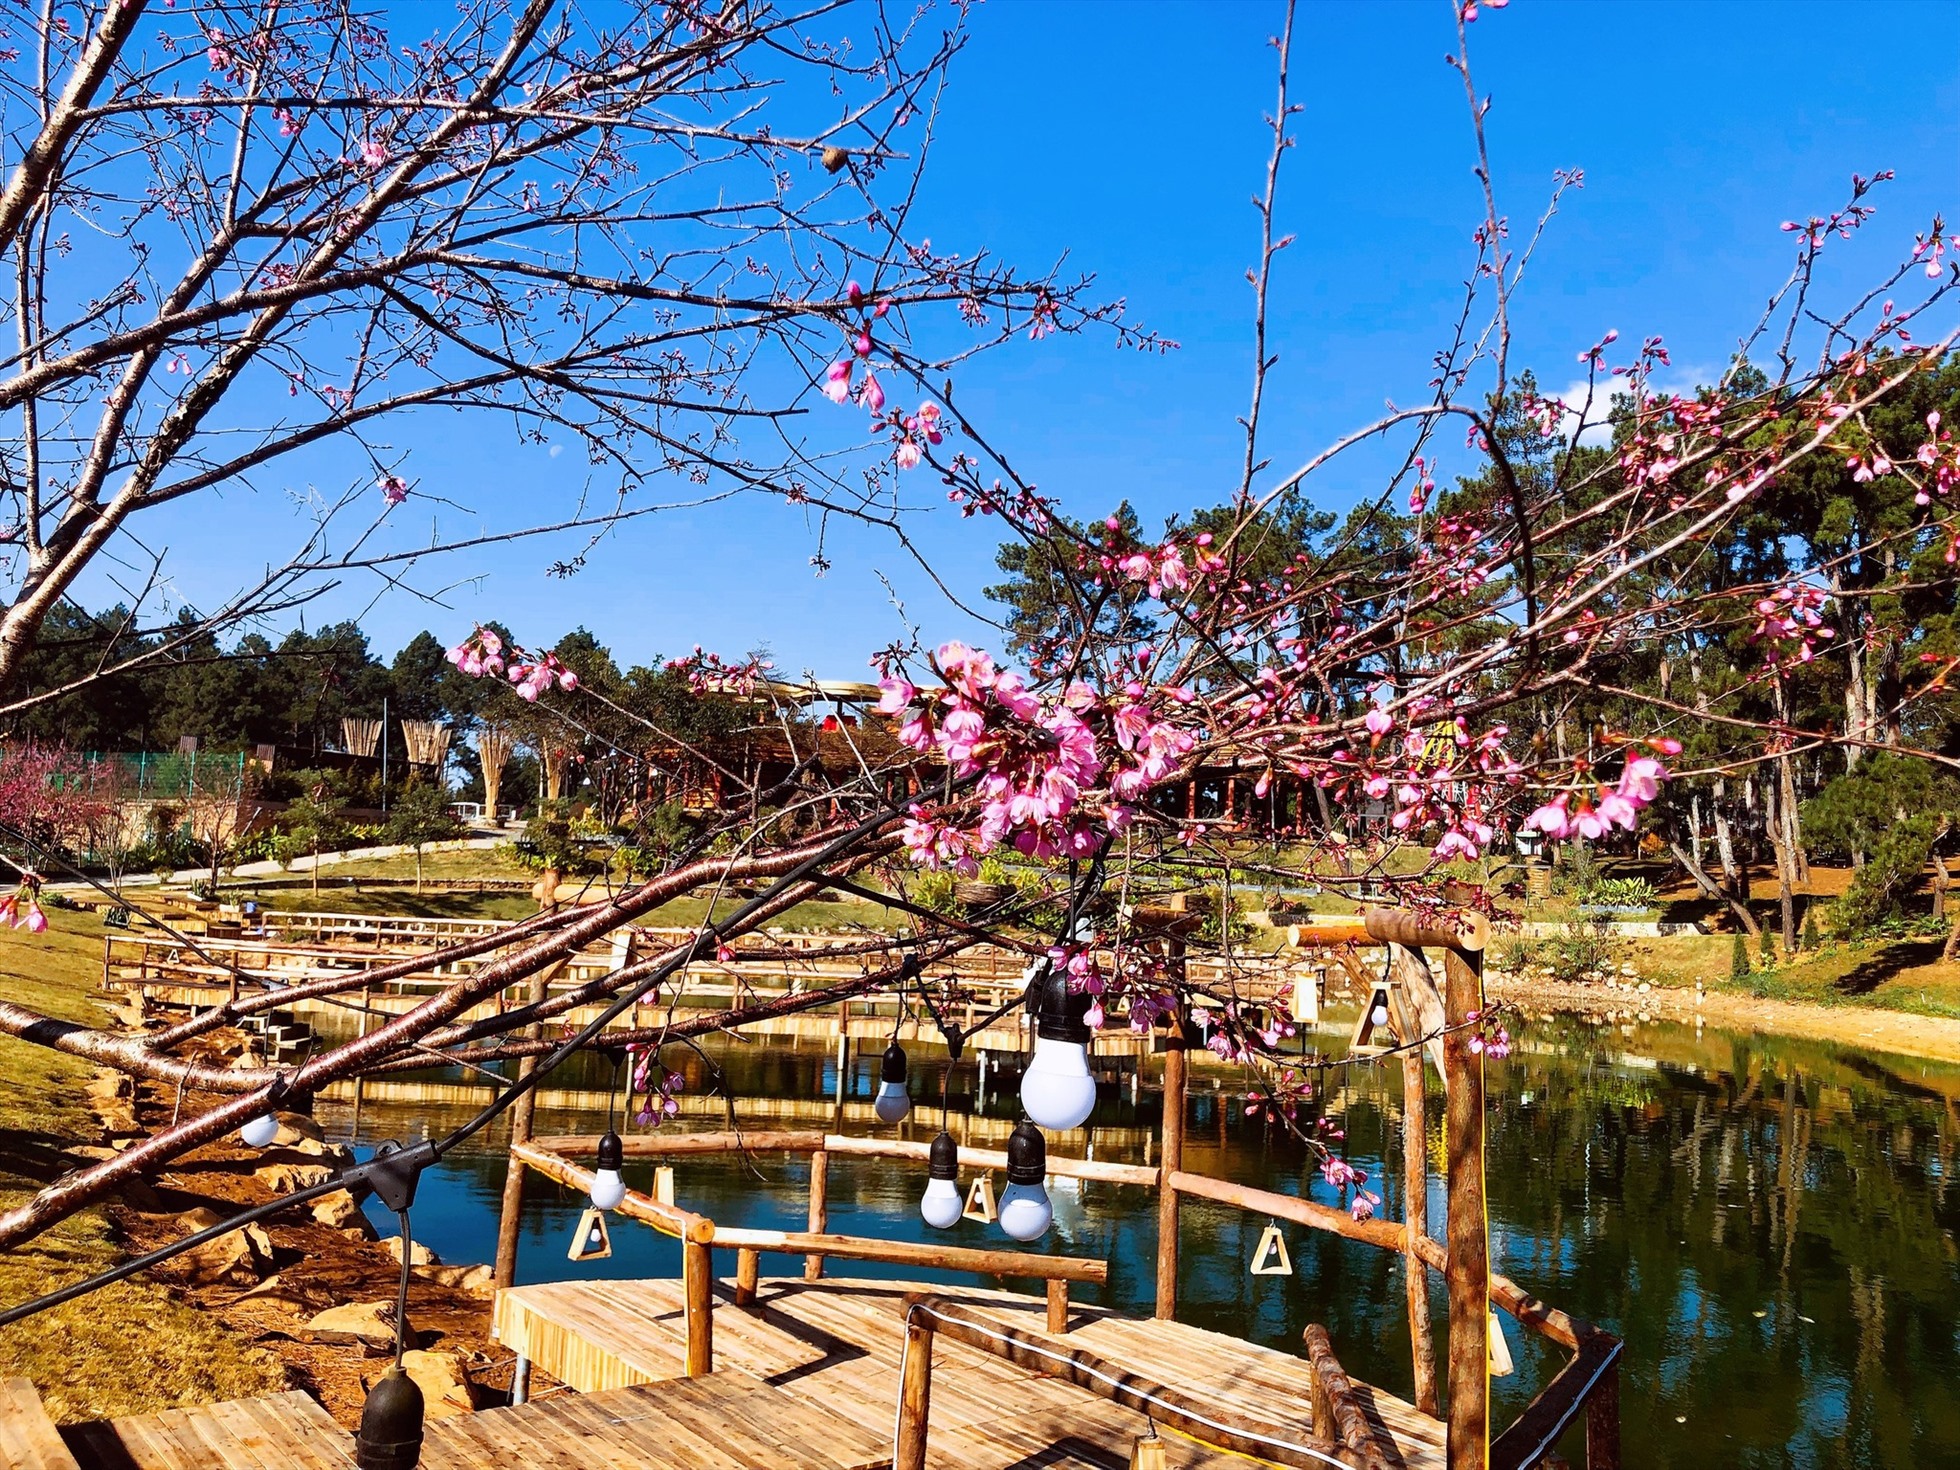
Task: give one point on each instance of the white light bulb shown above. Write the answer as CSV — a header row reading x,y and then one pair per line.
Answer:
x,y
1379,1015
1025,1212
608,1189
1057,1091
892,1103
942,1206
260,1131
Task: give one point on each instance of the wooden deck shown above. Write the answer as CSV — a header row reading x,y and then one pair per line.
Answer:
x,y
837,1344
713,1423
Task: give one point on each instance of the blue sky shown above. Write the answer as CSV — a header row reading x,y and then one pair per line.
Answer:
x,y
1129,137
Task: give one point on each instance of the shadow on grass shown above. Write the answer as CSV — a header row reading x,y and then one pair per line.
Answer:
x,y
1885,964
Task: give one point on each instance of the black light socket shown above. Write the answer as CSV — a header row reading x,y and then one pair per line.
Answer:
x,y
390,1436
943,1159
1027,1154
612,1153
892,1069
1059,1011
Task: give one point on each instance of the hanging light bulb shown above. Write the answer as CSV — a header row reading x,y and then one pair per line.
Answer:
x,y
941,1206
608,1189
893,1102
1379,1015
1057,1090
1025,1213
260,1131
390,1436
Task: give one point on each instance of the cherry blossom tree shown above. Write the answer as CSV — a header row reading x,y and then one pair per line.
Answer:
x,y
1420,658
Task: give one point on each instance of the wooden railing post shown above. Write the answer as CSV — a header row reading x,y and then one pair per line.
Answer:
x,y
1057,1306
1415,1213
698,1286
914,1395
1603,1422
819,1210
522,1114
748,1267
1468,1268
1171,1162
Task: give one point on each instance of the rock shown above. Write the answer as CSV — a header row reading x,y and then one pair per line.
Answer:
x,y
286,1178
418,1253
1629,971
370,1324
339,1210
234,1257
1645,987
478,1279
444,1381
296,1130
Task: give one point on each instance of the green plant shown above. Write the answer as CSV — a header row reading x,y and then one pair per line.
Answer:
x,y
1739,958
1579,948
1575,871
1622,893
1766,951
1809,940
1517,953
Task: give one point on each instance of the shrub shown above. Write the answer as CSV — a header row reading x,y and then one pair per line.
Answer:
x,y
1579,948
1809,940
1767,950
1739,958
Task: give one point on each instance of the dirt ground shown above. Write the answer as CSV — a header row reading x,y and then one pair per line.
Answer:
x,y
312,1266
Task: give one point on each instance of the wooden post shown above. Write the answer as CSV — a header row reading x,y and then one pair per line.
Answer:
x,y
698,1285
1468,1271
1171,1161
1057,1307
748,1266
914,1396
522,1112
1603,1422
1415,1187
819,1210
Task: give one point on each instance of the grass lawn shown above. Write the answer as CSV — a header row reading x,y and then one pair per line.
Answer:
x,y
1895,975
129,1348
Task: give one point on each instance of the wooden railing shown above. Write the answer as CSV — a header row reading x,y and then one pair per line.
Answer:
x,y
1340,1433
700,1236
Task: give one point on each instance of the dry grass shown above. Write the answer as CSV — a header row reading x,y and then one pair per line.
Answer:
x,y
129,1348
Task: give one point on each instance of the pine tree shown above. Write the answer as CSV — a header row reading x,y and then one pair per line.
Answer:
x,y
1739,958
1768,955
1809,930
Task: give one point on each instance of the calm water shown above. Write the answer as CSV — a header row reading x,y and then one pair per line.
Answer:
x,y
1771,1225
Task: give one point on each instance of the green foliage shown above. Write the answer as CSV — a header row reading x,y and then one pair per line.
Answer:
x,y
560,839
1621,893
1893,869
1809,940
1766,950
1739,958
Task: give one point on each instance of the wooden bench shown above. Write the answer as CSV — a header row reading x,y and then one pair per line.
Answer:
x,y
28,1438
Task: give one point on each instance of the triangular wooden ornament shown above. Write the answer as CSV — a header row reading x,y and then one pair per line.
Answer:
x,y
1363,1042
1271,1258
1500,1350
663,1183
980,1200
591,1243
1147,1453
1306,996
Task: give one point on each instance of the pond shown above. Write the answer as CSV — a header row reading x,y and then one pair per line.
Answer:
x,y
1770,1224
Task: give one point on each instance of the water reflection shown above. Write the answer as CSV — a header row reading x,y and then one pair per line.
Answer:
x,y
1769,1223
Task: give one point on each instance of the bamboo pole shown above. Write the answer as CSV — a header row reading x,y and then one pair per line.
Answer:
x,y
819,1210
915,1395
1171,1160
1468,1270
1415,1217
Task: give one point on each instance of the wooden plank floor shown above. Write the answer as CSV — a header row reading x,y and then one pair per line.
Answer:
x,y
838,1344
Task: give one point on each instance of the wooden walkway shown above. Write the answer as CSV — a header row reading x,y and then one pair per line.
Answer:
x,y
726,1419
838,1344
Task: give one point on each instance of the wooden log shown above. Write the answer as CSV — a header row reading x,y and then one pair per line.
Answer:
x,y
1464,933
1467,1271
667,1219
1348,1422
1603,1422
1057,1305
748,1268
1415,1188
915,1253
915,1394
1201,1418
698,1288
655,1146
1383,1234
819,1210
1328,929
1582,1386
1171,1159
1058,1166
522,1112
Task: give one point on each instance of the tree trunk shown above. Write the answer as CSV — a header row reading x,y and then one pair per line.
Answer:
x,y
1712,889
418,870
